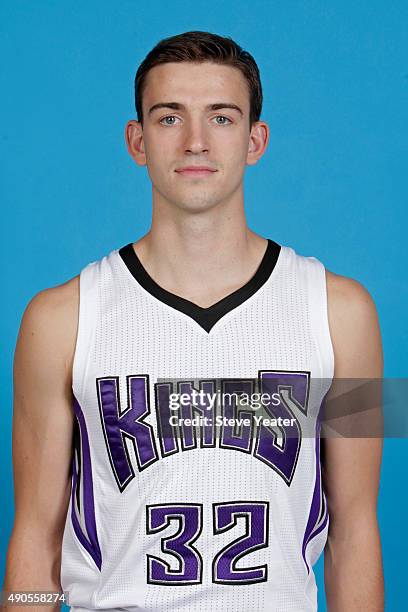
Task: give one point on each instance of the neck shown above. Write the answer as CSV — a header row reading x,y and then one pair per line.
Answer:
x,y
202,255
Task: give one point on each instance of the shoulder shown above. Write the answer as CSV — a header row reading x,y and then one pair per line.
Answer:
x,y
354,326
347,298
49,325
55,304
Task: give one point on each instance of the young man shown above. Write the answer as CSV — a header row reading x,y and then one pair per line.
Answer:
x,y
156,513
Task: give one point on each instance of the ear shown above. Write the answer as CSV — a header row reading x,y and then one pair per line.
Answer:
x,y
258,141
135,142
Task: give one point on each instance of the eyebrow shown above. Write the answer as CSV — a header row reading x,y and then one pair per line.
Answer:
x,y
209,107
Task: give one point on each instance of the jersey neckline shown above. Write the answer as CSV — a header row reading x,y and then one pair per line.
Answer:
x,y
208,316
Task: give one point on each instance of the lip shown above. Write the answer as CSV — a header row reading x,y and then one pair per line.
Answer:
x,y
195,170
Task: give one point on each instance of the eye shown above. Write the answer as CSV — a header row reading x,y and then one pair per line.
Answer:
x,y
165,120
224,121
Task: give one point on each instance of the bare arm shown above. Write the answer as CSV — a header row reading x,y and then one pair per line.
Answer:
x,y
351,465
42,439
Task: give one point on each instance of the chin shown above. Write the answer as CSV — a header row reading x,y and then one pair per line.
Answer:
x,y
197,205
194,202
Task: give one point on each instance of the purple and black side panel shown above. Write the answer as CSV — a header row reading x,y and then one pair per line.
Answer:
x,y
82,474
318,515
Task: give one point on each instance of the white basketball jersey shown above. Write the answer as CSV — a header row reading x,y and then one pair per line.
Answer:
x,y
170,515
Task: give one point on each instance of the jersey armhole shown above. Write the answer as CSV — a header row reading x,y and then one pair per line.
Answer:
x,y
318,307
86,326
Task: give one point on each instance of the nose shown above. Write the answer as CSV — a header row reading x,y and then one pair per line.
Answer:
x,y
196,139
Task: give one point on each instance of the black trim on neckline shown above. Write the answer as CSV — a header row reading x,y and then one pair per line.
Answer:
x,y
206,317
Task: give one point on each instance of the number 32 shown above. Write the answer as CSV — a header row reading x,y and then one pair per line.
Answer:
x,y
181,544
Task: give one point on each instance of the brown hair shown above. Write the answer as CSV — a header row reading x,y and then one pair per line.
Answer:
x,y
199,46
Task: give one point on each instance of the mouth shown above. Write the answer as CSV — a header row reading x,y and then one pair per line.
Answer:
x,y
195,171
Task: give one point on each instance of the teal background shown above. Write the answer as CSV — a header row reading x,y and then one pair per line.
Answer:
x,y
332,183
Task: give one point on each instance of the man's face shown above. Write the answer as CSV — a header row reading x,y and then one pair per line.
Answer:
x,y
195,114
